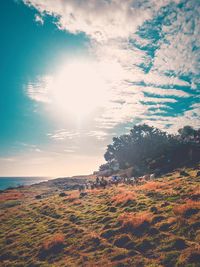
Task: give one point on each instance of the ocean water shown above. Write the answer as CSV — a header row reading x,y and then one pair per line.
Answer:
x,y
6,182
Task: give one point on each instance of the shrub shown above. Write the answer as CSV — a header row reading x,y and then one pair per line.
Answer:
x,y
135,219
190,256
72,197
52,245
188,209
123,196
151,186
170,259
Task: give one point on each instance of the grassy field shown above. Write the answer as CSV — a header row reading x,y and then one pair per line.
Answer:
x,y
153,224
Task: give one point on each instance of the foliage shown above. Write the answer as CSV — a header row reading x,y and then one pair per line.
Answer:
x,y
148,149
123,196
135,219
187,209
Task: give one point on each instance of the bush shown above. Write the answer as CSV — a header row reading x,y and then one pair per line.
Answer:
x,y
135,219
123,196
52,245
187,209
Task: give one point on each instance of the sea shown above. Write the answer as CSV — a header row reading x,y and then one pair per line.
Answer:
x,y
7,182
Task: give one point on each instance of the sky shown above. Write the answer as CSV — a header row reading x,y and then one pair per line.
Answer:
x,y
75,73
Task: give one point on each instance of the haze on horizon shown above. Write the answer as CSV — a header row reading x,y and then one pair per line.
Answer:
x,y
75,73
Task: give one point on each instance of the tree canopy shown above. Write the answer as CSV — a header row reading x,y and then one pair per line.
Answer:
x,y
147,148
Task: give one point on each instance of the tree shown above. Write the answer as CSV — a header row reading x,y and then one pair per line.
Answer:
x,y
141,145
187,132
148,148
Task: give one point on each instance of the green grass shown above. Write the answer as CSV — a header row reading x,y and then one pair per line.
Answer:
x,y
92,232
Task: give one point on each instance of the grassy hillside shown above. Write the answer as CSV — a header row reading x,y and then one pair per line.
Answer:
x,y
153,224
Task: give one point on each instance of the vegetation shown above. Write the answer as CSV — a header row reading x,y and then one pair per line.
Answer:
x,y
149,149
152,224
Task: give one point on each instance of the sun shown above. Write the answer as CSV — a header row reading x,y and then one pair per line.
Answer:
x,y
78,89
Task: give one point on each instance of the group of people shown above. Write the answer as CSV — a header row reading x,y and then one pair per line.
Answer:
x,y
102,182
98,183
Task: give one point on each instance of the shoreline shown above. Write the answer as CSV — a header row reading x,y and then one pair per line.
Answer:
x,y
65,183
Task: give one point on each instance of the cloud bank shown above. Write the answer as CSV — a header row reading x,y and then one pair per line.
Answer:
x,y
150,50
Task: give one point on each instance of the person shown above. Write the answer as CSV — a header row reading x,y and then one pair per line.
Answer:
x,y
81,188
103,182
92,185
132,180
97,180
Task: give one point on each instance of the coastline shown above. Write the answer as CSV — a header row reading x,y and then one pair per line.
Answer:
x,y
63,183
13,182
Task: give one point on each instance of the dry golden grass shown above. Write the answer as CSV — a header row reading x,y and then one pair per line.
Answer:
x,y
54,241
77,202
123,196
196,190
11,195
90,231
151,186
74,196
162,187
190,255
94,191
135,219
182,209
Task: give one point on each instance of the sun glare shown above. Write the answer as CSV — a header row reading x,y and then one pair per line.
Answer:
x,y
77,89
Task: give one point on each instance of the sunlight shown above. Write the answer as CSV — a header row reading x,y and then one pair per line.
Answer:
x,y
77,89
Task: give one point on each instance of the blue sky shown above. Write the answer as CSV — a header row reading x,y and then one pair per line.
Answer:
x,y
75,73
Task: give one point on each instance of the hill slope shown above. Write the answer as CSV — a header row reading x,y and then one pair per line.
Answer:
x,y
153,224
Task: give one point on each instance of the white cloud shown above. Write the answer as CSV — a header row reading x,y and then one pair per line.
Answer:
x,y
38,90
101,20
111,26
161,91
190,117
179,49
63,134
100,135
